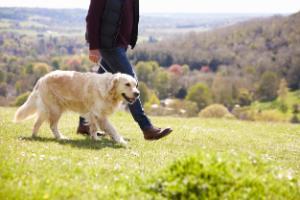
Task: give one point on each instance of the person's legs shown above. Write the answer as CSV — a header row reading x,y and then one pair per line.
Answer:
x,y
116,61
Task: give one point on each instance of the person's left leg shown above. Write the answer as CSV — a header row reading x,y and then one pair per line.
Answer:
x,y
115,60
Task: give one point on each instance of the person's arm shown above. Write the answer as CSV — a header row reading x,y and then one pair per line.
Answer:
x,y
93,21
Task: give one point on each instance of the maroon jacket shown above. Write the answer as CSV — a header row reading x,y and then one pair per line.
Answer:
x,y
125,29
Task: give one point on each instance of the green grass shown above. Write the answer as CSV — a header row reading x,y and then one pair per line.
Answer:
x,y
220,176
292,99
44,168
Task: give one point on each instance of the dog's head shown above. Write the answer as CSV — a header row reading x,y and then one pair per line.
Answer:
x,y
125,86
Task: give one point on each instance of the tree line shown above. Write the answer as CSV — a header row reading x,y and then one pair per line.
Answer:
x,y
248,49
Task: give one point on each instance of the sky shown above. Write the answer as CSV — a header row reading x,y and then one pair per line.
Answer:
x,y
177,6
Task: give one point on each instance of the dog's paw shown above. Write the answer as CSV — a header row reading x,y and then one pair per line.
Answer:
x,y
95,138
62,137
122,142
101,134
34,136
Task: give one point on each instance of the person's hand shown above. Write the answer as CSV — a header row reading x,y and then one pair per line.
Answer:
x,y
94,55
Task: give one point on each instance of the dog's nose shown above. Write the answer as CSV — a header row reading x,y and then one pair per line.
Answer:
x,y
136,94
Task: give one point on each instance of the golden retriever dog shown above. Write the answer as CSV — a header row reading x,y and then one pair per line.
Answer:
x,y
93,96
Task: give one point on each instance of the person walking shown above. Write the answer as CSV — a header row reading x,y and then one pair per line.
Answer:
x,y
112,26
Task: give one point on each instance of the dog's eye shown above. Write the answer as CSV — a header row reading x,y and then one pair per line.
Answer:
x,y
127,84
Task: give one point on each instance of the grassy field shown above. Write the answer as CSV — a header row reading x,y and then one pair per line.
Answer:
x,y
274,106
79,168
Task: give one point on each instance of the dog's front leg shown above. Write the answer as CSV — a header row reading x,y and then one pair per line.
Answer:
x,y
109,129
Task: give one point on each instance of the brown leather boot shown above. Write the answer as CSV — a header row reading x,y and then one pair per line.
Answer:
x,y
83,129
154,133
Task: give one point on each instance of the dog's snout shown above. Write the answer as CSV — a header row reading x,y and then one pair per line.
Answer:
x,y
136,94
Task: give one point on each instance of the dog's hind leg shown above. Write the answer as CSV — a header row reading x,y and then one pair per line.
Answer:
x,y
109,129
53,119
92,120
38,122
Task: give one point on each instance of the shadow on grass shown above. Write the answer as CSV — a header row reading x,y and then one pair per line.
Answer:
x,y
79,143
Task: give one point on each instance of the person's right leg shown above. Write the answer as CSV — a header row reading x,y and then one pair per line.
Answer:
x,y
116,61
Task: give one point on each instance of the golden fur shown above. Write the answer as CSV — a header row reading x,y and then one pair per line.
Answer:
x,y
94,96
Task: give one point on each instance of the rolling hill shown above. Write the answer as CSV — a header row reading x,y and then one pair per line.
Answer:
x,y
255,46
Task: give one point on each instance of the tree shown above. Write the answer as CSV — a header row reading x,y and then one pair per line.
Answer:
x,y
176,69
28,69
295,118
186,69
181,94
41,69
20,100
2,76
199,94
293,76
3,89
244,97
145,70
162,83
282,94
74,64
153,100
174,86
55,64
223,90
267,88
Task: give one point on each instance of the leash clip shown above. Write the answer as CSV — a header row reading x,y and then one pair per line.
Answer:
x,y
100,65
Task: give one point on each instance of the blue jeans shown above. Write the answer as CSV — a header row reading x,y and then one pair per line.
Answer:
x,y
115,60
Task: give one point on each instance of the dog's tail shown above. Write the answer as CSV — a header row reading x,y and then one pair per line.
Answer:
x,y
29,108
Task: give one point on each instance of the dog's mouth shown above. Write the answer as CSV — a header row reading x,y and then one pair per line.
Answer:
x,y
129,100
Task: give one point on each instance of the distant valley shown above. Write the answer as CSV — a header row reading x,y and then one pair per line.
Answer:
x,y
72,22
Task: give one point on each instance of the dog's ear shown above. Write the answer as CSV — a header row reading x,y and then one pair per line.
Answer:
x,y
114,81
